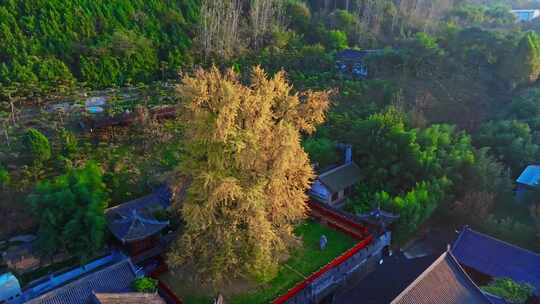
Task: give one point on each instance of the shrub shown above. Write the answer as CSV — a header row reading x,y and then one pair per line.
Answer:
x,y
336,40
145,284
4,177
69,142
509,290
37,145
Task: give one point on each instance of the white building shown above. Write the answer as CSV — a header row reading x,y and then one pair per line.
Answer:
x,y
333,186
524,15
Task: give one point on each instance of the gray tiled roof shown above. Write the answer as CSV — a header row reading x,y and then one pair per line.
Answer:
x,y
114,278
134,220
341,177
444,282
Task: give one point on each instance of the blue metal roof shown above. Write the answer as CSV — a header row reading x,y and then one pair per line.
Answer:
x,y
530,176
9,286
496,258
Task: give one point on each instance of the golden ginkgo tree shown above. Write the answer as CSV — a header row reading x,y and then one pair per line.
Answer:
x,y
249,172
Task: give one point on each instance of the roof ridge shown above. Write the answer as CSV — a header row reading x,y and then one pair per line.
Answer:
x,y
419,278
337,168
494,239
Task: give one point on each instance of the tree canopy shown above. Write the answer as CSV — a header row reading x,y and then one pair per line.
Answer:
x,y
69,210
249,172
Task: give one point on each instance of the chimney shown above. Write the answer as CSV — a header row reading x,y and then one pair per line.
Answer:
x,y
347,153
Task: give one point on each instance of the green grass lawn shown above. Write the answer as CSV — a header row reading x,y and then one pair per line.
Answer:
x,y
304,260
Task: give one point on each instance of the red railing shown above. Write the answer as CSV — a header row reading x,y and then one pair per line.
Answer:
x,y
335,263
343,224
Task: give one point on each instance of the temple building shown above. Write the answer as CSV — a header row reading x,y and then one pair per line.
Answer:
x,y
486,258
444,282
134,224
333,186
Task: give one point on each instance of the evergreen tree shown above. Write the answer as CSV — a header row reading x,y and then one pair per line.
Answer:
x,y
37,145
249,171
70,212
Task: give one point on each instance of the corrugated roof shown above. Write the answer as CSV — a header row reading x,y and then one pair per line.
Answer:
x,y
117,277
129,298
496,258
341,177
444,282
530,176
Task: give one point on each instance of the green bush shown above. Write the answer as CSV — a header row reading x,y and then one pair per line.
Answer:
x,y
4,177
145,284
37,145
69,142
509,290
336,40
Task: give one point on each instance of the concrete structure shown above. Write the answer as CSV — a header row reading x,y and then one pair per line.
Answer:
x,y
528,180
524,15
333,186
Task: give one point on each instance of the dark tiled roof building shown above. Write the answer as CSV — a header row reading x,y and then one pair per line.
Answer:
x,y
444,282
134,220
117,277
495,258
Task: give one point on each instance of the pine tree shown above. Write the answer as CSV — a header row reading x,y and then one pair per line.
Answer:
x,y
249,172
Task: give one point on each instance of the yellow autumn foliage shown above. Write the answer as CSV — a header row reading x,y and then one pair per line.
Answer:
x,y
249,172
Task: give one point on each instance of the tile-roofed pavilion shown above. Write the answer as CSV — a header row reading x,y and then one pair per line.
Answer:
x,y
496,258
114,278
444,282
128,298
134,220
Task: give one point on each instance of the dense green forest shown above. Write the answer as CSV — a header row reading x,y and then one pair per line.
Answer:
x,y
446,120
100,43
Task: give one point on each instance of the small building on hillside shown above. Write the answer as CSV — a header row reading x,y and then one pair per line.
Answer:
x,y
485,258
334,185
353,63
528,180
524,15
444,281
134,223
